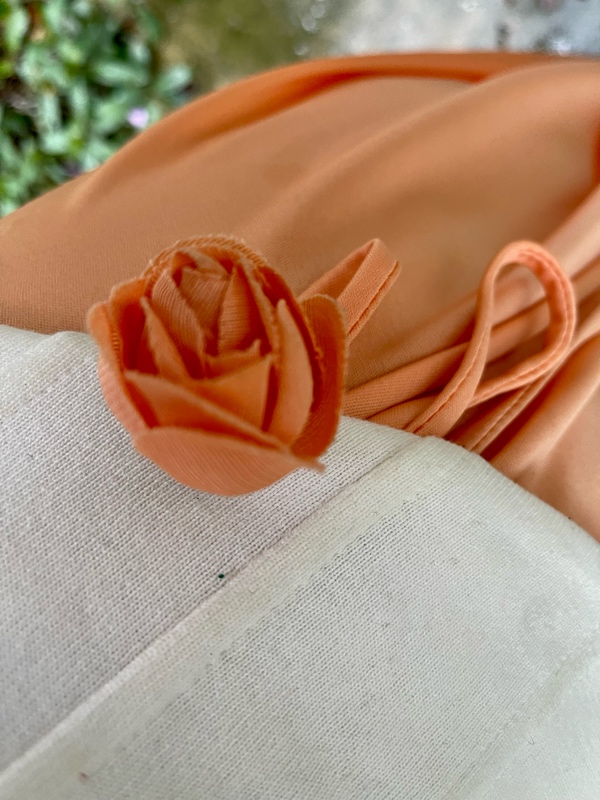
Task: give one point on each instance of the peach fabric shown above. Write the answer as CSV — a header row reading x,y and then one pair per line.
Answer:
x,y
463,165
218,374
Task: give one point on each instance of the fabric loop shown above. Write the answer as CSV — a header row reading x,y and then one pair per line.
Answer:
x,y
466,390
562,307
360,282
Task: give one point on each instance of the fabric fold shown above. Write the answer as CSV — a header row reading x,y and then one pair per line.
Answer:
x,y
445,158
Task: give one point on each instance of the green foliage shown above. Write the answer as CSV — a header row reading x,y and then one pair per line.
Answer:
x,y
77,79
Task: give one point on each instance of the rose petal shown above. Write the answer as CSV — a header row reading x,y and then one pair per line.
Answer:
x,y
100,327
144,361
266,311
328,330
275,288
243,393
163,348
179,257
127,318
235,254
176,405
228,252
181,323
192,258
231,254
111,378
217,464
204,264
239,322
295,380
232,361
204,291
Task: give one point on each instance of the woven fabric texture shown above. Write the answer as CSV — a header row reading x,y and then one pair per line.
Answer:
x,y
101,551
15,342
411,624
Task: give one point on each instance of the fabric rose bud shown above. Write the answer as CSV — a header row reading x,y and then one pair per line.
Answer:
x,y
219,374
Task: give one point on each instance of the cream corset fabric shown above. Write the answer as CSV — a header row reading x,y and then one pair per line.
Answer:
x,y
411,624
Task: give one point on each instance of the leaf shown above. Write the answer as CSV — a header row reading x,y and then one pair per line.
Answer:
x,y
55,143
38,66
93,40
15,124
57,75
29,163
139,51
28,68
15,29
79,67
81,8
108,116
10,154
48,117
70,52
96,152
13,187
156,111
76,130
173,79
128,98
29,151
54,13
120,73
6,69
79,100
54,171
7,206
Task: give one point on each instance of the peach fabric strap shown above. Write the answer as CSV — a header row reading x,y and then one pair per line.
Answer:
x,y
360,282
467,389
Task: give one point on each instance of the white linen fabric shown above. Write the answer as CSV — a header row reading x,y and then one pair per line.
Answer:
x,y
14,343
410,624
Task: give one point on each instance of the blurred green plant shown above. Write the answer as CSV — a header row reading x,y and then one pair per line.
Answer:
x,y
77,79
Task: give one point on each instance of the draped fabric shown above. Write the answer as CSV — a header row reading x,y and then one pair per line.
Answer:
x,y
477,172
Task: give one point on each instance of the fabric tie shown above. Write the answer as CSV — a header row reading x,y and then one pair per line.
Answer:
x,y
446,393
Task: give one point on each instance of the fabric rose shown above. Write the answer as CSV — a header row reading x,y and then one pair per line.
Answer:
x,y
219,374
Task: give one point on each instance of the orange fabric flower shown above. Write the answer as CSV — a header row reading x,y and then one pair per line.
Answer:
x,y
220,375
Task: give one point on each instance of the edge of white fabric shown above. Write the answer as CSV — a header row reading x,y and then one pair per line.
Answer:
x,y
160,673
58,349
15,342
86,739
